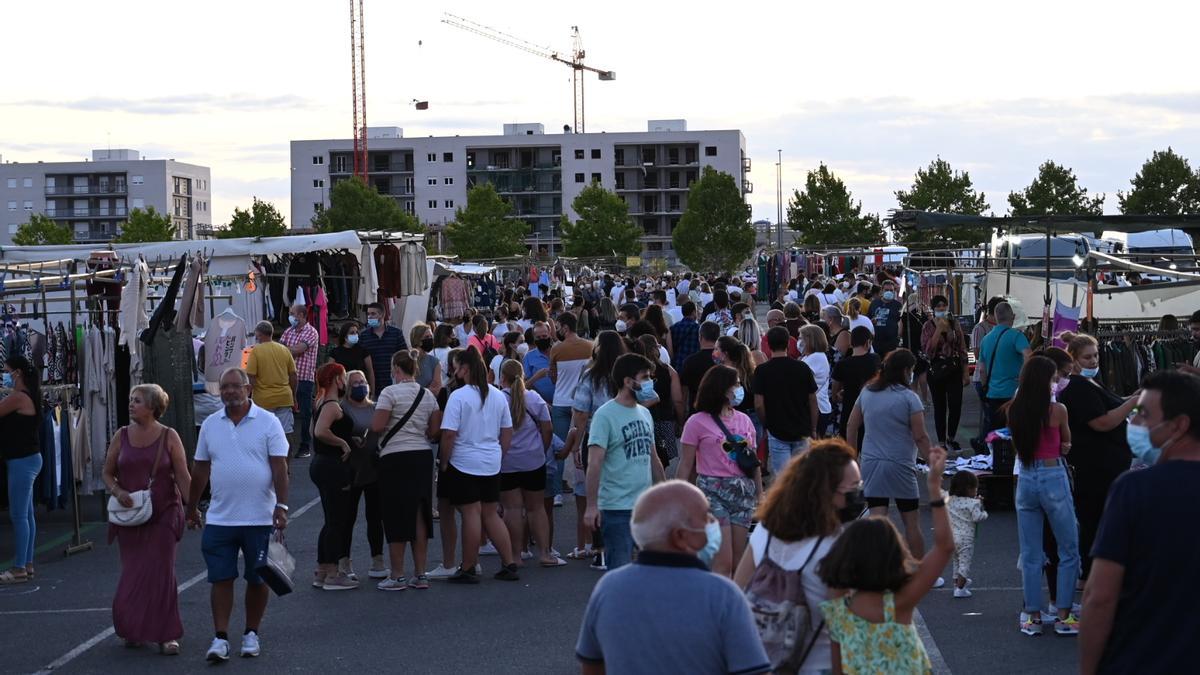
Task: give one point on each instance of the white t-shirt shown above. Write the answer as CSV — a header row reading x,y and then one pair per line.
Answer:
x,y
791,556
819,363
443,357
617,294
861,320
243,486
478,423
663,355
397,399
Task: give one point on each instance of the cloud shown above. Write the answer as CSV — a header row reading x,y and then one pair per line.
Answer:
x,y
180,104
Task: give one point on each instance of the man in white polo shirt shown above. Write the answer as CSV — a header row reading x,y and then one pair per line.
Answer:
x,y
244,450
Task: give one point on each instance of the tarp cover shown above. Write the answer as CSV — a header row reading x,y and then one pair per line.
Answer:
x,y
925,220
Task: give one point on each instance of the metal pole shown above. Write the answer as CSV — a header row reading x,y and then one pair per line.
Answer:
x,y
779,199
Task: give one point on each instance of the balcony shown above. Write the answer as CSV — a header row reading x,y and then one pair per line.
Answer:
x,y
93,236
477,168
92,189
747,187
94,212
746,164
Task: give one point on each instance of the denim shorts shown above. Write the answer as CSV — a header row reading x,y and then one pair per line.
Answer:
x,y
286,417
731,499
220,545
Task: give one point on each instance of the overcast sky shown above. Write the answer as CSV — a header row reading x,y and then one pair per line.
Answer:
x,y
873,89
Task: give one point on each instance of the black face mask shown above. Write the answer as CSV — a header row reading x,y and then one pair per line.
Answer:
x,y
543,344
855,503
427,344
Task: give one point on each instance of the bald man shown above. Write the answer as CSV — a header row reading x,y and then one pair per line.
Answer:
x,y
775,317
631,622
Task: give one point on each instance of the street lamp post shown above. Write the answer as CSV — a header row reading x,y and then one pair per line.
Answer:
x,y
779,200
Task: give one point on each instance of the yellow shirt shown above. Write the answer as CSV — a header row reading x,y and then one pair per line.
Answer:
x,y
270,364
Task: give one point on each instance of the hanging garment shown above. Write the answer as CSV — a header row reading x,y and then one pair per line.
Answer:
x,y
387,265
223,346
170,363
191,301
414,277
455,298
164,314
370,277
1065,319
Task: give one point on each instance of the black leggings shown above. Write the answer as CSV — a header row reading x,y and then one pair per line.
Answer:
x,y
1091,493
332,476
947,404
374,518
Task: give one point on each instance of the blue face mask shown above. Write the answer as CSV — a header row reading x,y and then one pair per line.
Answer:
x,y
7,380
712,531
939,314
739,394
1140,444
1089,372
373,323
352,339
645,391
293,320
889,295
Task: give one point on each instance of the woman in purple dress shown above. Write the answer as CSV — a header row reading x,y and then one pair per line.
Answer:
x,y
146,606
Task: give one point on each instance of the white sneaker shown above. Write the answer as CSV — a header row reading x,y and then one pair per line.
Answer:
x,y
554,552
558,500
488,549
219,651
390,584
441,573
250,646
378,569
526,555
939,583
962,592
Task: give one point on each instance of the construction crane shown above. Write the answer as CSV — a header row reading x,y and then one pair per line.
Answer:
x,y
358,86
575,60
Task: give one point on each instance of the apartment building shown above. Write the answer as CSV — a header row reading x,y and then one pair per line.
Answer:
x,y
94,197
540,174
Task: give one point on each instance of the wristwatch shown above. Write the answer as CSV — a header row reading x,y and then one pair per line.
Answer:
x,y
282,506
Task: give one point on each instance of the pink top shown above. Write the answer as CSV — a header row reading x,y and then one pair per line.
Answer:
x,y
1049,444
702,432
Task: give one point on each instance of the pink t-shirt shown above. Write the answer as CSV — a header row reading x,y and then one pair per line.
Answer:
x,y
702,432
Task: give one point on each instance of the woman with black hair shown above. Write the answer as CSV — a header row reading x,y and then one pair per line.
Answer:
x,y
945,343
892,421
1041,435
20,426
350,355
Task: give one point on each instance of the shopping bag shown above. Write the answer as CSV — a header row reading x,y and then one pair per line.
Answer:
x,y
277,565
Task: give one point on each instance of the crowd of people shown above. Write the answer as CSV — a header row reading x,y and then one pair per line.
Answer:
x,y
747,471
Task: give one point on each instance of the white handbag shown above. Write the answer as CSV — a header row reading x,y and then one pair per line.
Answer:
x,y
143,506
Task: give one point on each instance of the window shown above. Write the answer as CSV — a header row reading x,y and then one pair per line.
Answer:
x,y
318,207
318,182
449,203
619,156
136,180
433,203
673,156
620,181
12,205
12,228
470,160
578,178
27,182
595,178
448,180
673,203
139,203
317,159
595,153
579,154
431,157
339,164
12,182
28,205
431,181
408,206
710,151
447,156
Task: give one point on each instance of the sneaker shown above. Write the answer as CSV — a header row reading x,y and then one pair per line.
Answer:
x,y
962,592
340,583
598,562
488,549
1067,626
526,554
319,579
441,573
1029,626
219,651
507,573
419,582
558,501
250,646
378,569
554,552
939,582
346,567
304,454
462,576
389,584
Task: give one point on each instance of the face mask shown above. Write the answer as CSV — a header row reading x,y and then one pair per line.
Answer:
x,y
1089,372
293,320
522,349
738,395
7,381
855,503
800,345
717,360
427,344
645,391
1059,386
889,295
352,339
1141,445
937,314
543,344
844,285
712,532
373,323
358,393
621,326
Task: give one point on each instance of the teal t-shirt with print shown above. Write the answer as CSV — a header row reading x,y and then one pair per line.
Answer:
x,y
627,436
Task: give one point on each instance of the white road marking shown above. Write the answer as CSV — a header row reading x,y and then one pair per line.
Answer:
x,y
55,611
103,635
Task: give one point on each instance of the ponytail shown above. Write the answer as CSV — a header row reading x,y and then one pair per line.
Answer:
x,y
513,372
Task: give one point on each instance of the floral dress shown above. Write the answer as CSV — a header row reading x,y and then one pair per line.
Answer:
x,y
868,647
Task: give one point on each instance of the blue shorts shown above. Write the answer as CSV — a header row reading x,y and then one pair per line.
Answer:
x,y
220,545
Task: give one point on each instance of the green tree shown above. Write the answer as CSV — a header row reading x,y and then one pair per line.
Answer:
x,y
262,220
714,233
354,205
940,189
604,227
483,229
1055,191
42,231
825,214
1166,186
145,226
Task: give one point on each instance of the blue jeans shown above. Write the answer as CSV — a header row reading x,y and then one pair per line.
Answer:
x,y
304,399
779,452
1045,490
560,419
618,539
21,476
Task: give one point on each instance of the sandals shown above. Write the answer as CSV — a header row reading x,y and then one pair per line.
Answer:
x,y
558,562
169,648
7,578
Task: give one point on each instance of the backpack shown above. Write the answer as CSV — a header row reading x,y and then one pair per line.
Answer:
x,y
781,611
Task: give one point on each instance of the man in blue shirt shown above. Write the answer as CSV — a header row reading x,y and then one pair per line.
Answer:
x,y
685,335
537,363
1001,355
381,341
632,619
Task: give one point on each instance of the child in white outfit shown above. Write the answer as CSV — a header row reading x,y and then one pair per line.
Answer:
x,y
965,510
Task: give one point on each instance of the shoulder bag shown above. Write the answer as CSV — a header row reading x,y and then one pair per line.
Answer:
x,y
143,506
987,376
738,450
383,440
